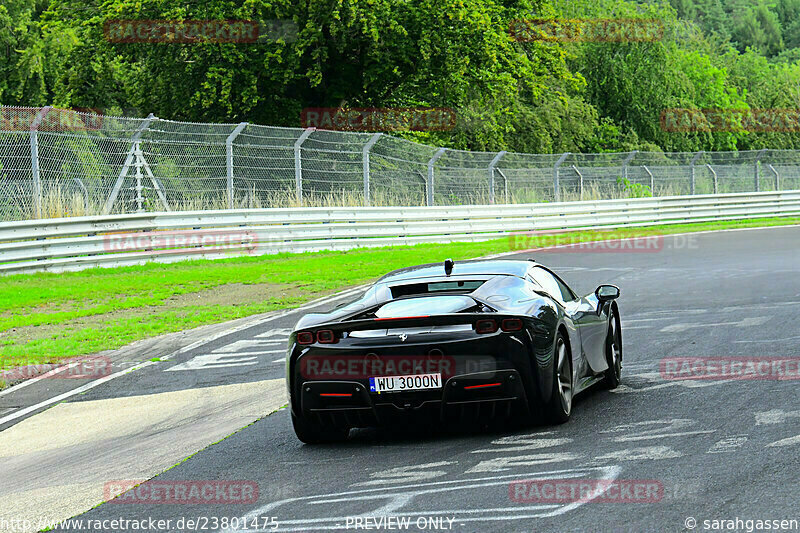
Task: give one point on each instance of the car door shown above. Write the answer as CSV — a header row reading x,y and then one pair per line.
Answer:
x,y
591,327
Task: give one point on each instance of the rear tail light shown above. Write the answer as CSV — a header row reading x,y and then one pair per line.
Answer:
x,y
305,337
326,336
485,326
482,386
511,324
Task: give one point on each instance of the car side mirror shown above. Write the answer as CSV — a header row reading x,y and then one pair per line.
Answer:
x,y
607,293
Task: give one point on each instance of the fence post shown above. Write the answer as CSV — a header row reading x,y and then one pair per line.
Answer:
x,y
493,164
298,167
691,176
138,165
756,173
439,153
714,173
556,188
777,177
229,160
580,181
129,160
35,172
365,164
627,162
652,181
505,185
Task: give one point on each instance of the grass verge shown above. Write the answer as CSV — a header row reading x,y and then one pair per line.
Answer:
x,y
45,317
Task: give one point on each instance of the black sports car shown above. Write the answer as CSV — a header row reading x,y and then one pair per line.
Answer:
x,y
476,340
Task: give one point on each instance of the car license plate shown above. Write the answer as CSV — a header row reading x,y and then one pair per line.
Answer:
x,y
402,383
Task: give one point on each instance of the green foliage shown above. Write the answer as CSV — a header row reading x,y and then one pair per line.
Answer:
x,y
633,189
533,96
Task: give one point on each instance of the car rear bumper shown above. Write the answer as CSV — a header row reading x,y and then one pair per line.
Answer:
x,y
463,398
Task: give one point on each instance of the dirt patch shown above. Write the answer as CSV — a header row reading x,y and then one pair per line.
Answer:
x,y
234,294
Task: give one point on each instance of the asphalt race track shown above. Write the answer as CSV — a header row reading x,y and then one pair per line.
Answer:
x,y
715,449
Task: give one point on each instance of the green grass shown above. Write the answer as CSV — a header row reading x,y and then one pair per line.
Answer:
x,y
45,317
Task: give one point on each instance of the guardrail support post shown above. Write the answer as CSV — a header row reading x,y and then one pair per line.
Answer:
x,y
652,181
229,160
777,177
298,167
580,181
439,153
493,164
35,172
365,164
713,173
756,173
556,188
691,174
627,162
129,160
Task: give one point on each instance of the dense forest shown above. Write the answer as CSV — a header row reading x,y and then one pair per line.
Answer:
x,y
532,95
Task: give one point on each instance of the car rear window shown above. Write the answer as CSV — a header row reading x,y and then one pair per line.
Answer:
x,y
437,286
426,305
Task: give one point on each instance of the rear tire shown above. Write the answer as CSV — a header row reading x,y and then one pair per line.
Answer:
x,y
311,433
613,374
559,408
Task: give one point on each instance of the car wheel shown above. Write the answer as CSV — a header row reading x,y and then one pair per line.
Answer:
x,y
312,433
559,407
613,354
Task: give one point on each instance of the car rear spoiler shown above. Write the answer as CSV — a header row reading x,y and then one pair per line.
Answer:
x,y
418,321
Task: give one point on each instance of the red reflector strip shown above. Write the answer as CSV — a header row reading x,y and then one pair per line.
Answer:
x,y
401,317
335,394
482,386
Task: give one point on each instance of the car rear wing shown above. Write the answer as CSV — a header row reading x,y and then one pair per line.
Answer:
x,y
480,322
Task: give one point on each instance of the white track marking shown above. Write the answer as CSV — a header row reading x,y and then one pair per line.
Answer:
x,y
243,345
641,454
728,444
743,323
214,360
73,392
395,497
785,442
502,464
519,443
405,474
655,429
663,435
775,416
282,332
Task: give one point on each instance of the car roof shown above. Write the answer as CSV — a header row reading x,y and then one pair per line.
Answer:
x,y
477,267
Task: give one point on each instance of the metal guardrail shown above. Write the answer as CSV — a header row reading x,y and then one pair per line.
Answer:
x,y
117,240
